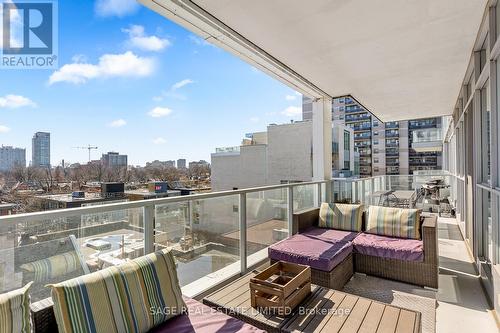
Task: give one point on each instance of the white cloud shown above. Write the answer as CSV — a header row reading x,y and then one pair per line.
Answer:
x,y
117,123
159,112
181,84
290,97
139,39
297,93
110,65
120,8
15,101
4,129
159,141
292,111
255,119
172,92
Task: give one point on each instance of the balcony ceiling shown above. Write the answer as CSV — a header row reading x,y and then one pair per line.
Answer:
x,y
400,59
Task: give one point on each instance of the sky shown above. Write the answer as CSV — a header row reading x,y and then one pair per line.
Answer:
x,y
131,81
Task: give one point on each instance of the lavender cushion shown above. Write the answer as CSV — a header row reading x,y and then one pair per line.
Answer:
x,y
321,249
203,319
389,247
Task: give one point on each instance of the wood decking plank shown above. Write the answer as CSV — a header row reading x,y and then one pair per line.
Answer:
x,y
406,321
320,319
229,290
317,302
356,317
389,320
335,322
372,318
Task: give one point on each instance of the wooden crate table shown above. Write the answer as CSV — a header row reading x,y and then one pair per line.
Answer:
x,y
324,310
280,287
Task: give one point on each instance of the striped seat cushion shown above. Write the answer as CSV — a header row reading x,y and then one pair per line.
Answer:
x,y
53,267
15,311
132,297
340,216
394,222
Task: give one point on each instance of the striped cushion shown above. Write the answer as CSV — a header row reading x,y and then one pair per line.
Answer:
x,y
53,267
15,311
395,222
341,216
132,297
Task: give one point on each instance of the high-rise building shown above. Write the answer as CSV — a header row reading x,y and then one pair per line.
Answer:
x,y
11,157
40,153
114,160
398,147
181,163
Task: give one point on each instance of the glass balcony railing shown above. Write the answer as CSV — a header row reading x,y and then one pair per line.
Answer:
x,y
213,236
392,124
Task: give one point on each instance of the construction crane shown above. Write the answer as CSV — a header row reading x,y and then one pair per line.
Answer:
x,y
89,148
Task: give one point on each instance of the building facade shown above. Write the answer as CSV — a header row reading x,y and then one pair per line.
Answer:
x,y
114,160
181,163
11,157
283,154
40,153
392,148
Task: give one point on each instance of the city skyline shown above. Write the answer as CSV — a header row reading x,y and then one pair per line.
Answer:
x,y
169,89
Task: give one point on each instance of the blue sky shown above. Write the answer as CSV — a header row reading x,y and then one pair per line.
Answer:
x,y
129,80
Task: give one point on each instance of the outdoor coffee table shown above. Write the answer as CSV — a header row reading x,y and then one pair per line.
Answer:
x,y
324,310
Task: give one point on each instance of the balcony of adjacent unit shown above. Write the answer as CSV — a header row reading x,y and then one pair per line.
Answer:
x,y
364,126
392,124
362,135
352,109
391,133
350,118
392,161
392,152
423,123
392,170
364,152
362,144
365,161
423,161
427,140
392,143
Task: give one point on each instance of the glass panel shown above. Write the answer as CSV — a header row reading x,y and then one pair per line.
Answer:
x,y
485,133
204,237
487,227
267,216
54,250
303,197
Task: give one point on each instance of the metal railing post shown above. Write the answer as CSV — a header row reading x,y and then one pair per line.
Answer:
x,y
290,210
318,193
190,212
328,190
243,231
149,228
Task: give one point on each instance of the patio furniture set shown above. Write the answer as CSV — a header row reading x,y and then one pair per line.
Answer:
x,y
143,295
373,242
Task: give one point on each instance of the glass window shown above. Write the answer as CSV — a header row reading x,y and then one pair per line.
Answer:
x,y
347,140
485,134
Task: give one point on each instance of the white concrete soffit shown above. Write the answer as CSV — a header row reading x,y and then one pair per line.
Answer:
x,y
401,59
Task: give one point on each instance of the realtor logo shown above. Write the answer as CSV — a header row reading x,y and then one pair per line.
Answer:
x,y
29,34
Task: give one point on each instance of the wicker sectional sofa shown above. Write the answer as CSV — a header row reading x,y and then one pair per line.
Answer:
x,y
413,261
